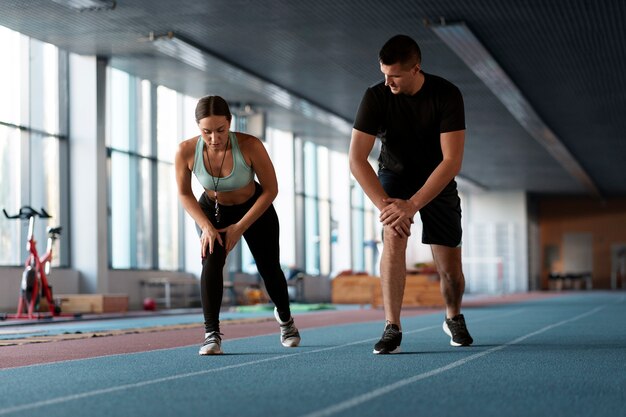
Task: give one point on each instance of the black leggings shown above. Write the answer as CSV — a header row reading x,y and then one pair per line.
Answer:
x,y
262,239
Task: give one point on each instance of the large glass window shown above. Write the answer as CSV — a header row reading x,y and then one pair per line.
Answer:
x,y
169,134
141,139
168,219
327,224
120,208
311,214
358,231
340,227
13,78
191,245
142,165
30,135
366,232
44,87
323,204
119,165
327,216
45,182
11,239
336,225
281,148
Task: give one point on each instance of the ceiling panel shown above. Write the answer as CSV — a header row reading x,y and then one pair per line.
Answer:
x,y
567,57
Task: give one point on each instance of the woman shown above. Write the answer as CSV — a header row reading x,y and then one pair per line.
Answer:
x,y
232,205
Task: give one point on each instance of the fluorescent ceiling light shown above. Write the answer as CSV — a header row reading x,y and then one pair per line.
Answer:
x,y
463,42
88,5
179,49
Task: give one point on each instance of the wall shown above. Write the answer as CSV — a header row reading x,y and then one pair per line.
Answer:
x,y
62,281
129,282
604,220
87,229
495,242
534,246
67,281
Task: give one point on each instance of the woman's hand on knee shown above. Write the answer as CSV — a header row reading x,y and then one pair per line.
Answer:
x,y
207,240
232,235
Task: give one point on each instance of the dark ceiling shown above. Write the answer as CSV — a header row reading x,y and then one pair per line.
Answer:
x,y
566,57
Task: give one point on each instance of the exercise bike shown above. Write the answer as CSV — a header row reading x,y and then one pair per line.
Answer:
x,y
34,283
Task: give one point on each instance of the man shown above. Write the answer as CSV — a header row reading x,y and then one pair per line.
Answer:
x,y
420,120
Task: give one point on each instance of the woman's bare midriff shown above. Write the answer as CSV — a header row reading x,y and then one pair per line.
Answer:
x,y
230,198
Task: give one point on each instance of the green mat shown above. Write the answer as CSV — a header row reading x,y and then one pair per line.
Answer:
x,y
294,307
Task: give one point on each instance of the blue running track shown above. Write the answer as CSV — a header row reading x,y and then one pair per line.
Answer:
x,y
563,356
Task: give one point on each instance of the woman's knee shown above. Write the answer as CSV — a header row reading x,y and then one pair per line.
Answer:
x,y
213,263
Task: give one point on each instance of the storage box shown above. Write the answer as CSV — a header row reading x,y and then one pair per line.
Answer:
x,y
93,303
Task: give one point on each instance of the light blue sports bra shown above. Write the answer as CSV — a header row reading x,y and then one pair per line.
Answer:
x,y
241,175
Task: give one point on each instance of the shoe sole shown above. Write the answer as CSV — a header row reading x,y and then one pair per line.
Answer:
x,y
449,333
384,352
290,344
210,352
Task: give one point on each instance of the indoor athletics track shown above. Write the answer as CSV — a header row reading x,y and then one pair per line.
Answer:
x,y
541,354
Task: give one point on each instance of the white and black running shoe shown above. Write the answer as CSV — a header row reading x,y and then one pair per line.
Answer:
x,y
212,344
457,330
390,341
289,335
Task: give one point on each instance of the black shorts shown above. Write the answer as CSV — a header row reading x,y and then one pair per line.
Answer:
x,y
441,217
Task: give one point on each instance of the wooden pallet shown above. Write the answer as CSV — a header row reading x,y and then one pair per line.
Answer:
x,y
354,289
421,290
93,303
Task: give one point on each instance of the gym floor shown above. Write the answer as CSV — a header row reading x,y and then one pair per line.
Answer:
x,y
539,354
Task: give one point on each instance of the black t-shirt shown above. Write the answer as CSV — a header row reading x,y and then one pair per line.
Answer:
x,y
409,126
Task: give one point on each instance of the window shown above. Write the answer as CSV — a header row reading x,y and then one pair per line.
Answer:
x,y
311,210
340,224
13,48
11,239
169,134
366,232
358,231
30,136
143,130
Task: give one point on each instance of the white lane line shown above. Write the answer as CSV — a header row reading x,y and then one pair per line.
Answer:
x,y
88,394
227,341
368,396
58,400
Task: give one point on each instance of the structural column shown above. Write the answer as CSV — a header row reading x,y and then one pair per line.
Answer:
x,y
88,173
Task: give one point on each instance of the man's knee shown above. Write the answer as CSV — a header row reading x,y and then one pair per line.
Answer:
x,y
392,240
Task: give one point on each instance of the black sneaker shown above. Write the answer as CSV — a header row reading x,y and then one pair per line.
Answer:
x,y
390,341
456,329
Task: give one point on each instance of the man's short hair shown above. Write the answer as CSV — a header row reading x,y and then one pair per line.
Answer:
x,y
400,49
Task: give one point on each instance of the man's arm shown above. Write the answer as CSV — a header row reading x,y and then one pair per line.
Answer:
x,y
452,144
361,145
